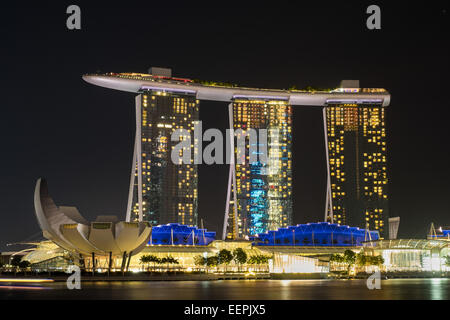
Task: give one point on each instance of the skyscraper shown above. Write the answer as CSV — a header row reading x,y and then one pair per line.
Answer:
x,y
259,192
167,191
357,188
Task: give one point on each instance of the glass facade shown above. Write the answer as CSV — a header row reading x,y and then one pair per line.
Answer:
x,y
358,178
169,191
263,189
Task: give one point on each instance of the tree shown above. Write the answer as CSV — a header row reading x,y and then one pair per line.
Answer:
x,y
349,257
148,258
361,259
154,259
16,261
225,257
262,259
200,260
239,257
378,260
338,258
212,261
145,259
447,261
24,264
172,260
168,260
259,260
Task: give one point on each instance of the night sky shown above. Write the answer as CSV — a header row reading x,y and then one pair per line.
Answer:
x,y
80,137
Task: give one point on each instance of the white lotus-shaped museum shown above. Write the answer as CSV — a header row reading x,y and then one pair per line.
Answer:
x,y
67,228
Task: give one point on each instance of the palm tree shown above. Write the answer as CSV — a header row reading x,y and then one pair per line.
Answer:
x,y
155,260
145,259
169,260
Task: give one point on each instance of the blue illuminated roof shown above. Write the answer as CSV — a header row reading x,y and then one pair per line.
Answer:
x,y
176,234
443,232
316,234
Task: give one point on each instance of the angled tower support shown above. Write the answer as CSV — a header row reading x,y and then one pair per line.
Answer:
x,y
328,198
136,166
231,184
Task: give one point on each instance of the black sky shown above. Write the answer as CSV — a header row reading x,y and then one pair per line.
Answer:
x,y
80,137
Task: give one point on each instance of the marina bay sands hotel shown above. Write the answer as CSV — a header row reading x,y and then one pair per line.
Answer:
x,y
259,195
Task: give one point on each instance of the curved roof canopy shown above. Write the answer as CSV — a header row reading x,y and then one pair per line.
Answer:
x,y
413,244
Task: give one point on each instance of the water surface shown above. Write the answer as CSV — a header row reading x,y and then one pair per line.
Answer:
x,y
429,289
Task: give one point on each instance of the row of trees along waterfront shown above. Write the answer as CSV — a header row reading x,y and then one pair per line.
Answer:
x,y
224,257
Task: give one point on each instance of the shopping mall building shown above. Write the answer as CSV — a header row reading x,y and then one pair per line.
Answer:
x,y
305,248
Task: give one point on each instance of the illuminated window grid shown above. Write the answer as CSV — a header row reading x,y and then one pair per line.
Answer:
x,y
169,191
367,123
264,115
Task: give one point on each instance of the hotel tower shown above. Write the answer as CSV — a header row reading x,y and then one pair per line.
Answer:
x,y
357,187
259,194
166,191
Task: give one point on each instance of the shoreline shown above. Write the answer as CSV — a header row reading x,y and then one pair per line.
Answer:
x,y
60,277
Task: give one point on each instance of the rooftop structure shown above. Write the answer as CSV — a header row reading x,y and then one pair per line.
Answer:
x,y
441,233
178,234
394,223
216,91
316,234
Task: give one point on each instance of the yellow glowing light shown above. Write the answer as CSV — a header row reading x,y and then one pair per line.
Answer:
x,y
25,280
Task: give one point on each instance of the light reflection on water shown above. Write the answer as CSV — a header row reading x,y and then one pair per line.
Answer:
x,y
438,289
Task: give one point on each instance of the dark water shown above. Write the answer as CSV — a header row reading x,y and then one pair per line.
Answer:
x,y
435,289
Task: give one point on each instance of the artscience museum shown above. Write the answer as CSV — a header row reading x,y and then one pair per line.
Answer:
x,y
88,241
